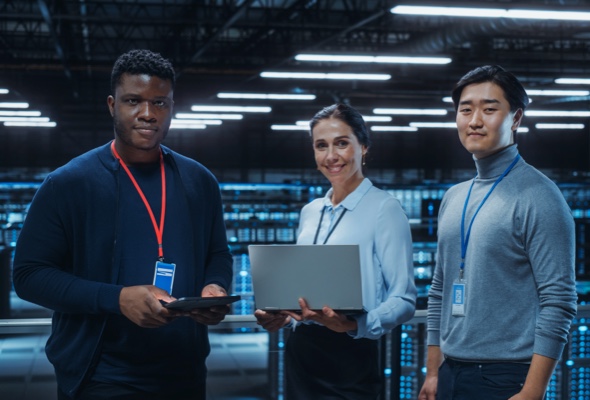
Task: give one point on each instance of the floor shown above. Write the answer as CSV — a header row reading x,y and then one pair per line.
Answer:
x,y
237,364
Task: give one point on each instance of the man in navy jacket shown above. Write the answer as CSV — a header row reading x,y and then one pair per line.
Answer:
x,y
113,233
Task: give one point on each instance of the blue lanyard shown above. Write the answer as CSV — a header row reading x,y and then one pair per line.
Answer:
x,y
330,230
465,238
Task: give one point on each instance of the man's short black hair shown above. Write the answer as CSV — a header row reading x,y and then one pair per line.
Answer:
x,y
513,90
139,62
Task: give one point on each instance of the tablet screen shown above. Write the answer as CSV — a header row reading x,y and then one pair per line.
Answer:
x,y
189,303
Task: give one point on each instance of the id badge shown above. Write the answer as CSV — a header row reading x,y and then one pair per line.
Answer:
x,y
164,276
459,298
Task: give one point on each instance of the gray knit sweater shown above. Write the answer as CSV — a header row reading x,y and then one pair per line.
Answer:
x,y
519,267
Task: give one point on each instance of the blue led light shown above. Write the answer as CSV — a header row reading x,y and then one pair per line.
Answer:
x,y
387,371
583,328
569,363
281,345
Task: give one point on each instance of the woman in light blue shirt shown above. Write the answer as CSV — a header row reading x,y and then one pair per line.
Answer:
x,y
331,355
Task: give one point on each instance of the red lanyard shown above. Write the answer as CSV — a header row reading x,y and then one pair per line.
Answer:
x,y
159,230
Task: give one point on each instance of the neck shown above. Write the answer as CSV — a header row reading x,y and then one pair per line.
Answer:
x,y
137,157
339,192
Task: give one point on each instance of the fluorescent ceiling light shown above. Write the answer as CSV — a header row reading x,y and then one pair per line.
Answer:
x,y
13,105
556,113
449,11
376,118
3,91
209,116
409,111
394,128
573,81
321,75
372,59
187,125
20,113
30,119
197,121
450,125
491,13
288,128
266,96
559,126
50,124
532,92
447,99
231,109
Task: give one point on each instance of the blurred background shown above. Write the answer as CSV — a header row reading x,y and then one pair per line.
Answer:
x,y
250,75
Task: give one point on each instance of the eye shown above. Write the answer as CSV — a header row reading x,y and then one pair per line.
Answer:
x,y
320,145
342,143
160,103
465,110
132,102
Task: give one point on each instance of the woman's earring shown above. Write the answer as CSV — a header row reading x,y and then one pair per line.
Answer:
x,y
364,158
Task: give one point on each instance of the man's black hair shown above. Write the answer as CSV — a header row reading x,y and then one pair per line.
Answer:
x,y
513,90
140,62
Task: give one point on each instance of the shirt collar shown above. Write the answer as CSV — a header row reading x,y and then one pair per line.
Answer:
x,y
351,201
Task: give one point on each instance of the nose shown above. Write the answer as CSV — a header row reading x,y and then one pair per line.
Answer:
x,y
332,153
146,111
476,120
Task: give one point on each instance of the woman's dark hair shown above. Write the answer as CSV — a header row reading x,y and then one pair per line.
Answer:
x,y
513,90
139,62
349,116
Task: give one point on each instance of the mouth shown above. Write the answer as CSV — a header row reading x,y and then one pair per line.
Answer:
x,y
146,130
334,169
475,134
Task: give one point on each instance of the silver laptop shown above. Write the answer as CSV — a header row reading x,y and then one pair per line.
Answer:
x,y
322,274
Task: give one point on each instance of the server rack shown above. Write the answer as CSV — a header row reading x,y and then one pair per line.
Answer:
x,y
269,213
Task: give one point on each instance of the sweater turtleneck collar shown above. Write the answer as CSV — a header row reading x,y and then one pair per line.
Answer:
x,y
493,166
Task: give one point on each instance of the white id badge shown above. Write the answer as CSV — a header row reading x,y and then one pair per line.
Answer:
x,y
459,299
164,276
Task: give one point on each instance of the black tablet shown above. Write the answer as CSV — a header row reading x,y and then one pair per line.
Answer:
x,y
190,303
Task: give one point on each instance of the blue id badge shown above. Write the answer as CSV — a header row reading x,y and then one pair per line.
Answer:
x,y
459,298
164,276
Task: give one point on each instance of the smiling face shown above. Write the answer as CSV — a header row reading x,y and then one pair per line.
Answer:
x,y
338,153
484,120
142,112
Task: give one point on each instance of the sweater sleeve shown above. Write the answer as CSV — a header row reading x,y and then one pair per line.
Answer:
x,y
43,262
549,237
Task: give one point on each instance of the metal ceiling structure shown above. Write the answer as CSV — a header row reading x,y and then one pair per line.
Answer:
x,y
57,55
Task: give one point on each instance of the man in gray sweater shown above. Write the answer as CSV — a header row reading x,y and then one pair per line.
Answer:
x,y
503,294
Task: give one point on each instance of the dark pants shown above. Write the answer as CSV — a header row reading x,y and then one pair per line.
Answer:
x,y
483,381
106,391
324,365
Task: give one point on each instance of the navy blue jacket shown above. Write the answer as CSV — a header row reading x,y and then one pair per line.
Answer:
x,y
66,255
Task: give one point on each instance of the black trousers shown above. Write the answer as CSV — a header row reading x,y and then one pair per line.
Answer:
x,y
323,365
483,381
107,391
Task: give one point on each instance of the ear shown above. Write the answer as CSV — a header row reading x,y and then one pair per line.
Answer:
x,y
111,105
517,119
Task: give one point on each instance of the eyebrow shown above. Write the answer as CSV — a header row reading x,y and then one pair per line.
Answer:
x,y
485,101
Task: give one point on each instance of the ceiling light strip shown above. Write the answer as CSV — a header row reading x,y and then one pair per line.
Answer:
x,y
328,76
477,12
266,96
239,109
372,59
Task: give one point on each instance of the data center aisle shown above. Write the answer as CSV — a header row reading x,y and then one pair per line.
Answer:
x,y
237,368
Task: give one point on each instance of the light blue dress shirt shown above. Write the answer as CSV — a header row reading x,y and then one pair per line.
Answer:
x,y
375,221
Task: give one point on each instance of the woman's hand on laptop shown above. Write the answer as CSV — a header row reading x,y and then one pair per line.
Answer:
x,y
271,321
331,319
